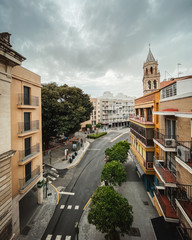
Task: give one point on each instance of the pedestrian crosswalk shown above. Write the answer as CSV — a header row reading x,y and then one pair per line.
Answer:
x,y
70,207
58,237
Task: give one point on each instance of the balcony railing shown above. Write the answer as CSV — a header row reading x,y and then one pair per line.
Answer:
x,y
184,151
25,182
168,141
24,127
147,142
32,101
167,175
184,192
27,153
166,206
184,233
142,119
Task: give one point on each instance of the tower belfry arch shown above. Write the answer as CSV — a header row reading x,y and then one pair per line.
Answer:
x,y
151,76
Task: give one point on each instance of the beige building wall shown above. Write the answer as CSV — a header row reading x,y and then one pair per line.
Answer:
x,y
183,125
8,59
94,114
21,184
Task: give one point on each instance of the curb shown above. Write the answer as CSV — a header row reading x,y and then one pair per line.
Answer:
x,y
84,151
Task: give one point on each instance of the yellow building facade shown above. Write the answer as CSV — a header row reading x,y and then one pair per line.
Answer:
x,y
26,137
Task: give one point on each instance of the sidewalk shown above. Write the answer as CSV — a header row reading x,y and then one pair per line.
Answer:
x,y
143,210
43,213
61,165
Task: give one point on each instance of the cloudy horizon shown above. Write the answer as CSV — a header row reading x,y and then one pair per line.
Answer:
x,y
100,45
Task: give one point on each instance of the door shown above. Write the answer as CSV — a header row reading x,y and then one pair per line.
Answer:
x,y
26,121
27,171
27,146
26,96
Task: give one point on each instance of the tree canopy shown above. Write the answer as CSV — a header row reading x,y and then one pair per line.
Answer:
x,y
63,109
110,212
114,173
118,152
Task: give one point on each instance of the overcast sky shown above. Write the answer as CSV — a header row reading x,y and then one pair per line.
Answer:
x,y
100,45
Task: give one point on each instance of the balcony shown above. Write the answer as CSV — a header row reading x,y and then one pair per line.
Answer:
x,y
28,180
184,154
143,120
32,101
146,141
166,142
184,201
184,233
28,154
27,128
166,207
167,176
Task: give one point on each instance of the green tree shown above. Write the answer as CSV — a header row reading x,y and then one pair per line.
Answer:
x,y
88,126
114,173
98,125
63,110
110,212
118,152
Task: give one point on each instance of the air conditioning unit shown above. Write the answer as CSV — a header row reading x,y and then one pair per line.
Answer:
x,y
183,153
170,142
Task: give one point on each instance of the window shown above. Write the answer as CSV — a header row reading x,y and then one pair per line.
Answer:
x,y
169,91
27,146
146,71
154,84
151,70
26,121
170,128
149,84
26,95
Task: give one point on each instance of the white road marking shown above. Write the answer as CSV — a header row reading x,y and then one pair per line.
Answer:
x,y
67,193
58,237
69,207
76,207
118,136
67,237
62,206
94,149
49,236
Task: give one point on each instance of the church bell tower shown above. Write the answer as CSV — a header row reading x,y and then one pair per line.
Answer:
x,y
151,77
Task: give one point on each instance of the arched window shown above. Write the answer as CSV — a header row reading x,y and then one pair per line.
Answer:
x,y
154,84
149,84
146,71
151,70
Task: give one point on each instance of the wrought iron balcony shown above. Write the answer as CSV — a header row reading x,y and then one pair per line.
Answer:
x,y
25,182
184,233
166,206
168,141
168,176
146,141
24,155
25,100
28,126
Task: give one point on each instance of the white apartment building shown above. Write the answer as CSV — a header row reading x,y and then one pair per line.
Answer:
x,y
114,111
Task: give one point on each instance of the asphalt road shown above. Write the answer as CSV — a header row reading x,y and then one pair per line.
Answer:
x,y
86,178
